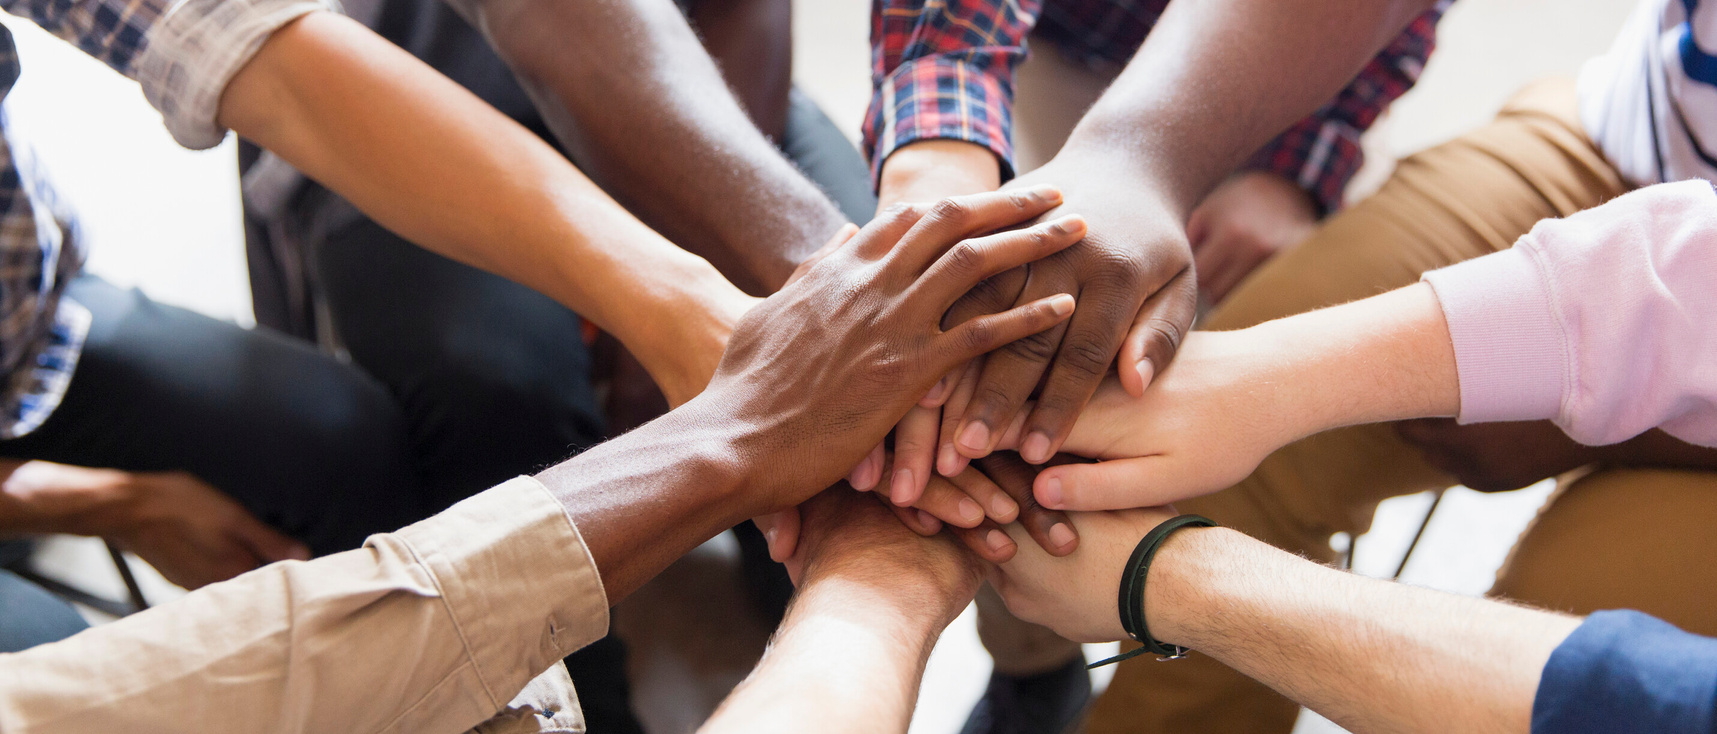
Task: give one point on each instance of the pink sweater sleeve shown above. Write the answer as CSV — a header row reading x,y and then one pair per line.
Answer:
x,y
1605,321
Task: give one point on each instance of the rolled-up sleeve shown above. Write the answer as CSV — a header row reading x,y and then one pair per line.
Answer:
x,y
195,48
435,628
183,52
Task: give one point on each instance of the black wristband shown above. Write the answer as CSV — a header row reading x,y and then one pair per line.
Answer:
x,y
1132,595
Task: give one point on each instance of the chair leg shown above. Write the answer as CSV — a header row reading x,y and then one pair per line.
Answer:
x,y
1405,557
138,603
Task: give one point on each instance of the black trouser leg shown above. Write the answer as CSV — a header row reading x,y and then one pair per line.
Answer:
x,y
309,445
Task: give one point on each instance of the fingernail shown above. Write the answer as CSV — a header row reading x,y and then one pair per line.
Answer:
x,y
1046,192
997,540
900,487
970,511
937,392
1061,305
1146,372
1003,508
946,460
976,437
769,537
1050,494
927,520
1036,448
1067,224
1060,535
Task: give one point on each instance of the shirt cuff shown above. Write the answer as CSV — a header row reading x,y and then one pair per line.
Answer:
x,y
197,47
518,580
1319,156
1511,355
1627,671
935,98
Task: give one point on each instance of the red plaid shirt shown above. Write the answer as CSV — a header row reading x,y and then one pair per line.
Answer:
x,y
944,69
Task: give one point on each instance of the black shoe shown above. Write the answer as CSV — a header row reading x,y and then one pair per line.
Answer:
x,y
1046,703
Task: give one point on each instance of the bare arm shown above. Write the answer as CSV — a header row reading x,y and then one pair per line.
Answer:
x,y
636,99
1370,655
430,161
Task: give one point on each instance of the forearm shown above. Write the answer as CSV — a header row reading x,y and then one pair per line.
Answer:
x,y
634,97
433,163
1370,655
1216,80
643,500
846,659
1383,358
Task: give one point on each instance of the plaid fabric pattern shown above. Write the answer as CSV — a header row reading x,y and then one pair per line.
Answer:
x,y
40,336
944,69
183,53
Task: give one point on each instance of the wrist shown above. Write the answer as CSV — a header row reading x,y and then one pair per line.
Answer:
x,y
877,611
1187,583
930,170
42,497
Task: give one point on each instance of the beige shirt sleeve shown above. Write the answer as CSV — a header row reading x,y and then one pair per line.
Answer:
x,y
443,626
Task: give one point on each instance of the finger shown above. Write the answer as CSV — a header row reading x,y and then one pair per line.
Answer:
x,y
949,462
1047,527
944,501
781,532
914,452
1117,485
868,473
996,503
1011,373
989,541
842,236
266,543
940,392
1156,334
879,238
916,520
953,219
989,333
1087,350
976,260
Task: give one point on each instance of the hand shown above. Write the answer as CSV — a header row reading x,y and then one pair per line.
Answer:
x,y
849,538
187,530
1497,457
1203,426
1001,482
1075,595
1245,221
817,374
1133,274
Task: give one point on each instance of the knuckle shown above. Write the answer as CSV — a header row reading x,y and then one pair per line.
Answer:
x,y
952,211
901,212
1037,348
979,334
966,259
1085,358
1109,268
1167,334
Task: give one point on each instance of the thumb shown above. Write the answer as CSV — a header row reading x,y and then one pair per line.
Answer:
x,y
781,531
1117,485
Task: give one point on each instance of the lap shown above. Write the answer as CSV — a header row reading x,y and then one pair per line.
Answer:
x,y
309,445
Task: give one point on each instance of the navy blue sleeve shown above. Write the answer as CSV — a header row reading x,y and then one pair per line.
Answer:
x,y
1628,672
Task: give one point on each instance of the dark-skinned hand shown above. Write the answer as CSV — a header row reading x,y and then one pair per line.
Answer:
x,y
820,371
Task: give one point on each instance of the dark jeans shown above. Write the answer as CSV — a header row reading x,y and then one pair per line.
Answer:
x,y
312,446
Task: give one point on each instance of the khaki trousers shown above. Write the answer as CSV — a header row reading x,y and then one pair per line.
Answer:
x,y
1612,538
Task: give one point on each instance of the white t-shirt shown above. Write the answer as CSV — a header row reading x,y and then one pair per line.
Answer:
x,y
1650,103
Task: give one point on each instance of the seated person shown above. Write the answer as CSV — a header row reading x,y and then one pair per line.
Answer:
x,y
449,623
1603,323
100,377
